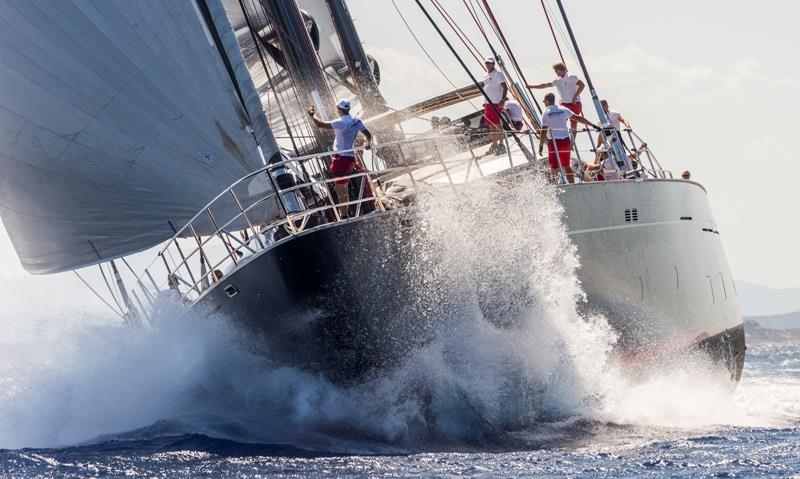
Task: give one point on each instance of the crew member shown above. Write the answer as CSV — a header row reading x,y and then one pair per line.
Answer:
x,y
616,119
569,89
514,112
686,175
346,129
494,84
555,133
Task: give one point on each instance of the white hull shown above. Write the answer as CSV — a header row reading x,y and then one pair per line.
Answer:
x,y
661,274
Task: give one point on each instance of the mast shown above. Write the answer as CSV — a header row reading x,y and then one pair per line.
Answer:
x,y
301,59
619,153
357,61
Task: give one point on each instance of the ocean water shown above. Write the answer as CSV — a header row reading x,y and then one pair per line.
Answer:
x,y
541,395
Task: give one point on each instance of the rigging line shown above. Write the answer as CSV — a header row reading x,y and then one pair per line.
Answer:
x,y
292,117
459,33
561,33
503,119
518,95
269,77
552,32
496,25
99,296
425,51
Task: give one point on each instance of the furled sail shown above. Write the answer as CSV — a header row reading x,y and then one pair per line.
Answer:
x,y
118,120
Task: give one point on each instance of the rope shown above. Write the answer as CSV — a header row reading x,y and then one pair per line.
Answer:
x,y
504,122
509,51
553,32
98,295
425,51
459,32
561,33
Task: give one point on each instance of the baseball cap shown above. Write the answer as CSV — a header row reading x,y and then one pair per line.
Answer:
x,y
343,103
489,59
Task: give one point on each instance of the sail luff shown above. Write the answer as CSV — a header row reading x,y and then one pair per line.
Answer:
x,y
250,96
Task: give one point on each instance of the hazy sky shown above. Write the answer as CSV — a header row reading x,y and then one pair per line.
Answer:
x,y
710,85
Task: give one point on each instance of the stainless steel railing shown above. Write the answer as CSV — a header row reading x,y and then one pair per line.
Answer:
x,y
290,197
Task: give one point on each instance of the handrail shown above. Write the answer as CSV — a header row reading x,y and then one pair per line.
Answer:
x,y
442,159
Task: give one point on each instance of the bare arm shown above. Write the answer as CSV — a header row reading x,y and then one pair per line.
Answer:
x,y
581,86
542,138
583,120
539,86
505,91
624,122
320,123
368,136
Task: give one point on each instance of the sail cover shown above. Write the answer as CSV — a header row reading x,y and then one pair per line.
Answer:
x,y
118,119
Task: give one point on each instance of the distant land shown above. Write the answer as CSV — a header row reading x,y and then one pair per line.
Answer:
x,y
758,334
778,321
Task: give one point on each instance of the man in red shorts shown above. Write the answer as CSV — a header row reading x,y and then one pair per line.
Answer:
x,y
555,133
569,89
346,129
494,84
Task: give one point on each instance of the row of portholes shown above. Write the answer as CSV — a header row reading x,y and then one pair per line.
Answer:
x,y
710,285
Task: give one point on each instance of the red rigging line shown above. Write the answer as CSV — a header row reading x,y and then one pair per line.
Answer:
x,y
473,50
553,32
506,45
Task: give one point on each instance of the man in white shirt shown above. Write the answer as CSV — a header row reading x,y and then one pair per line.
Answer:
x,y
514,112
346,129
569,89
494,84
615,118
554,132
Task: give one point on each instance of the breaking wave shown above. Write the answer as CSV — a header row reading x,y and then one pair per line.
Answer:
x,y
515,354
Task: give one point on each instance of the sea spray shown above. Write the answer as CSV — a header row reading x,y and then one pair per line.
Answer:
x,y
510,352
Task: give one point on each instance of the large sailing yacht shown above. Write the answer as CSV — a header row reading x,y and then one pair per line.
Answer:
x,y
179,125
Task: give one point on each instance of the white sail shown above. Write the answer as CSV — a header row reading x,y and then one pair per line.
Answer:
x,y
117,118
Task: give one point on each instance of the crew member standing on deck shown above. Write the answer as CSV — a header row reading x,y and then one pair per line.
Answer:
x,y
554,132
344,162
569,89
616,119
494,84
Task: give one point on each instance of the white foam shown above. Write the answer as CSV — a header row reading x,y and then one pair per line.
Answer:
x,y
67,377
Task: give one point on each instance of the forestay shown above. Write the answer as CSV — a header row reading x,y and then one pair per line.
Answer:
x,y
117,118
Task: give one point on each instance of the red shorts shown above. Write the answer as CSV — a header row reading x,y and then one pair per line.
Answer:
x,y
576,108
561,151
342,166
490,113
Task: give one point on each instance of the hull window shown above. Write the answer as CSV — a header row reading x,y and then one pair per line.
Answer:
x,y
724,289
711,286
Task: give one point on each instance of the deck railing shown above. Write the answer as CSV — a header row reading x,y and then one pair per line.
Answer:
x,y
290,197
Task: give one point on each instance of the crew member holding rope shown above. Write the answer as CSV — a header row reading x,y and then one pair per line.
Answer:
x,y
346,129
554,129
494,84
569,88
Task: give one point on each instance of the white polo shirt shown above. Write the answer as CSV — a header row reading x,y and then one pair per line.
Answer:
x,y
555,118
514,110
614,118
493,85
346,129
567,88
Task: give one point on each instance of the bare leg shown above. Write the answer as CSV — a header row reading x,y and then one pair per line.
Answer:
x,y
570,174
342,196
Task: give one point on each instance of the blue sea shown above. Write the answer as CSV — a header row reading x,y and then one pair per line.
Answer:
x,y
184,395
211,416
